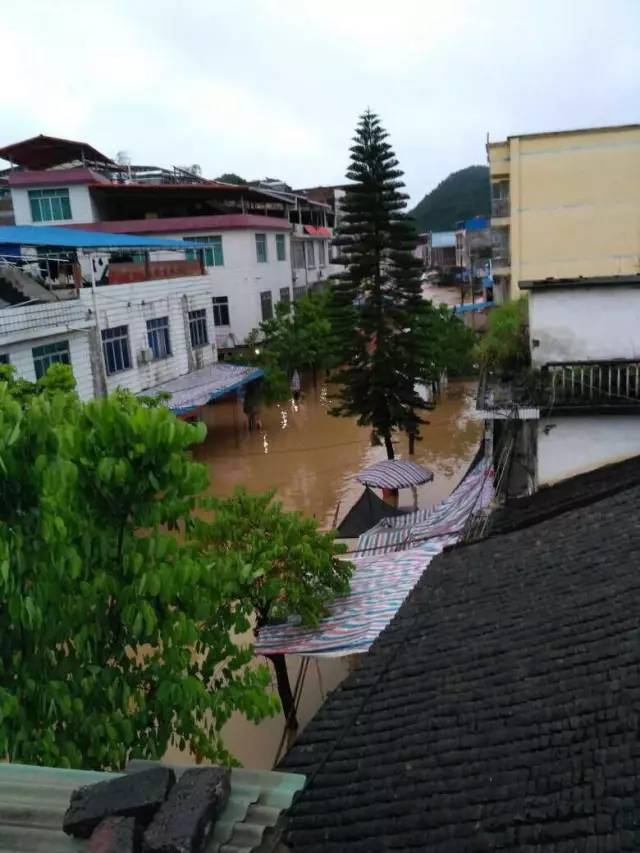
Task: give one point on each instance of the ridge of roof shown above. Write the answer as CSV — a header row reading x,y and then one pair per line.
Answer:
x,y
498,710
566,495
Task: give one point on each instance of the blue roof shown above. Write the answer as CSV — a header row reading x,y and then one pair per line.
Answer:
x,y
71,238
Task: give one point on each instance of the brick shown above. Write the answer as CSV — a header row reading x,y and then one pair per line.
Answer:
x,y
185,820
138,795
115,835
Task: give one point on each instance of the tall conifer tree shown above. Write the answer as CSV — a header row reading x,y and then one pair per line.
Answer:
x,y
377,300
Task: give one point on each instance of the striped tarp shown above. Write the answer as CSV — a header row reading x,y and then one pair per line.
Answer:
x,y
447,518
394,474
380,584
378,588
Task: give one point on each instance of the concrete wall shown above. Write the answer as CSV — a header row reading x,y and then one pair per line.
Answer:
x,y
570,445
82,209
575,203
21,357
242,278
584,324
132,305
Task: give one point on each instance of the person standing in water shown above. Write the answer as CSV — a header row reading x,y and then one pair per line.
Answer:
x,y
295,385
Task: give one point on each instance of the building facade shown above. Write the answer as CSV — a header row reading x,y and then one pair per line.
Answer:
x,y
565,204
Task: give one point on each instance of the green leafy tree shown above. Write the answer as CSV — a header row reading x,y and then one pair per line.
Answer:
x,y
284,565
448,345
115,633
378,299
231,178
505,344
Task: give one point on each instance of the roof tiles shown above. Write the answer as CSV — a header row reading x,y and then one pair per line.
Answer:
x,y
500,710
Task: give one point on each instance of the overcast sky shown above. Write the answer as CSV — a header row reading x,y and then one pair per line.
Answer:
x,y
274,87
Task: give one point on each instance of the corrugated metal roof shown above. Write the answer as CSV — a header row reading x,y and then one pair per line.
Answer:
x,y
73,238
204,385
173,224
33,801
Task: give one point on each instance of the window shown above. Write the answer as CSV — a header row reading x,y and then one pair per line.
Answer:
x,y
281,247
115,345
198,328
4,358
221,311
297,253
285,295
49,354
49,205
213,254
311,254
261,248
322,253
158,335
267,305
299,292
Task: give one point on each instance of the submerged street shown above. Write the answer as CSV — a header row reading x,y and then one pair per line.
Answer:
x,y
310,459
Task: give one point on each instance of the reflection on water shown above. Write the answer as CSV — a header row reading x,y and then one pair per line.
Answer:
x,y
310,458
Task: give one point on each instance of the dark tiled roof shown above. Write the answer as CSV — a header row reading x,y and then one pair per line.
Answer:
x,y
570,494
499,710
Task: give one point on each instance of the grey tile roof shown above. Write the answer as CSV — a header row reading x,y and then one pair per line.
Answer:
x,y
500,710
33,801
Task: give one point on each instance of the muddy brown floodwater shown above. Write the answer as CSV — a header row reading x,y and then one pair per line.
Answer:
x,y
310,459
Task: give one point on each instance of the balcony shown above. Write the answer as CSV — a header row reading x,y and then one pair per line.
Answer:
x,y
602,385
500,208
127,272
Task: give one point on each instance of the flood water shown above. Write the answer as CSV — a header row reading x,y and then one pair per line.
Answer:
x,y
310,458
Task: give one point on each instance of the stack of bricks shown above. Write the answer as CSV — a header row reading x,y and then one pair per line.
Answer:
x,y
149,812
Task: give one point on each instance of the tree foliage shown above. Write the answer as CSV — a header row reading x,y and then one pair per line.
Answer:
x,y
284,565
448,344
299,336
462,195
505,344
231,178
115,633
378,305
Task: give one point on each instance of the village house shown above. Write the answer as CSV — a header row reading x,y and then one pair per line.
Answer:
x,y
565,204
261,244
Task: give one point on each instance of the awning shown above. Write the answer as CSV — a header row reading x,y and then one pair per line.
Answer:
x,y
324,232
311,230
71,238
200,387
394,474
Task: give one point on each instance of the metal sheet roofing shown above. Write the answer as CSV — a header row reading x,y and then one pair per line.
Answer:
x,y
33,801
173,224
72,238
42,152
200,387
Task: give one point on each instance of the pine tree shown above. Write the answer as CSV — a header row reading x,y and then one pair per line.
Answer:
x,y
377,300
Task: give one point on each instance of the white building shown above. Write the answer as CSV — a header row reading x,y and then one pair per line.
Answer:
x,y
585,338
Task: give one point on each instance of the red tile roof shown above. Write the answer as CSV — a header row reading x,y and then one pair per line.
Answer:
x,y
55,177
173,224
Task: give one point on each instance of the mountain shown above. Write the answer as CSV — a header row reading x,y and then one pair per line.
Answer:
x,y
460,196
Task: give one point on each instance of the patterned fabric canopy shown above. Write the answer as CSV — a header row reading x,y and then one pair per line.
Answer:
x,y
394,474
380,584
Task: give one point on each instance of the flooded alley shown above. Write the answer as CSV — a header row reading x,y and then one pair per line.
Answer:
x,y
310,459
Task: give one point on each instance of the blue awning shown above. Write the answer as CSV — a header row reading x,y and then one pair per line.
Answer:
x,y
71,238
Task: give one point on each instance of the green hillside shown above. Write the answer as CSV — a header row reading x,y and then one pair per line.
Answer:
x,y
460,196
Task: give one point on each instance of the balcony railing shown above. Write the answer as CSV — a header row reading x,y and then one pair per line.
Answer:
x,y
126,273
500,207
593,384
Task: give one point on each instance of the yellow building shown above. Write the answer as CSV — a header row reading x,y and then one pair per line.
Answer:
x,y
565,204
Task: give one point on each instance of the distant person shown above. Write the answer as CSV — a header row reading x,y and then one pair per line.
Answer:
x,y
295,386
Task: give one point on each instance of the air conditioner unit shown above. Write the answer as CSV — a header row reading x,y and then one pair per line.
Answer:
x,y
145,355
